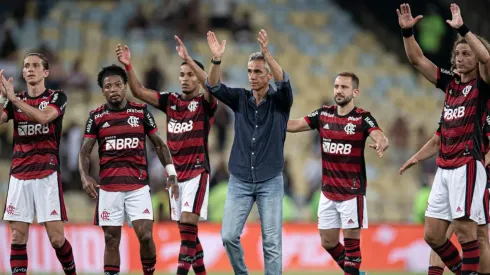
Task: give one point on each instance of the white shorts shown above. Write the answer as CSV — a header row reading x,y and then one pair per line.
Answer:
x,y
458,193
41,197
113,208
350,214
193,198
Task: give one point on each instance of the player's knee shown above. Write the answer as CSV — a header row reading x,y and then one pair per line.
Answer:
x,y
112,240
434,240
145,237
482,236
465,235
328,243
57,240
19,237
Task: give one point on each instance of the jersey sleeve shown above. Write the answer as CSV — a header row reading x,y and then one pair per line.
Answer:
x,y
149,123
313,119
59,101
212,107
369,124
8,108
163,101
90,127
444,77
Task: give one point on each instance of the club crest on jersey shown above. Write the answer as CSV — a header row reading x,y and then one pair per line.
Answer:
x,y
192,106
350,128
43,105
467,90
488,120
133,121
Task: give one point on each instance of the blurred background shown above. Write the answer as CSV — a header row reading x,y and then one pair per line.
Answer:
x,y
312,40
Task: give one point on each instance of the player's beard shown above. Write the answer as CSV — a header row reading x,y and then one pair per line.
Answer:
x,y
343,101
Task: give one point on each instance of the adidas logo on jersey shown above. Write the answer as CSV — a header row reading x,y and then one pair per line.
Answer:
x,y
186,204
54,213
105,125
146,211
326,127
350,221
173,107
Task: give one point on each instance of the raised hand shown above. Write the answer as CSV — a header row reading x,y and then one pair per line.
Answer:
x,y
123,54
7,88
173,186
263,41
181,50
3,92
456,20
215,47
89,185
405,18
411,162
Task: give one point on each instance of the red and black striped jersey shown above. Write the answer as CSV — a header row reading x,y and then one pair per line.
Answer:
x,y
36,146
188,126
121,135
462,119
343,142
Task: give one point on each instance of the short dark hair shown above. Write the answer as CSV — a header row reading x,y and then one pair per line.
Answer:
x,y
44,60
197,62
354,78
111,70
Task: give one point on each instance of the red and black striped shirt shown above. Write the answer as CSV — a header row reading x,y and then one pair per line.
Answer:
x,y
188,126
343,142
36,146
462,119
121,135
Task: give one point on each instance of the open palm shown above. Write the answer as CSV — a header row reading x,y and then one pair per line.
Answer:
x,y
123,54
215,47
181,50
405,18
456,20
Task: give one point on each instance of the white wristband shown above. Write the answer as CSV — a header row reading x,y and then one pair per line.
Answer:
x,y
2,99
170,170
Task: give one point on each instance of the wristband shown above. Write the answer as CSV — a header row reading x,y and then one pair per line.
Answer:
x,y
128,67
463,30
2,99
407,32
170,170
215,62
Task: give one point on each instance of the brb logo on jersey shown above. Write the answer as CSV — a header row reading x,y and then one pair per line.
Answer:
x,y
336,148
32,129
453,113
180,127
121,144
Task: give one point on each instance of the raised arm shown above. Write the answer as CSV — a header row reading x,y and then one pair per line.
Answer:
x,y
427,151
298,125
54,109
200,73
217,51
5,107
476,45
137,89
284,89
412,48
89,184
228,96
